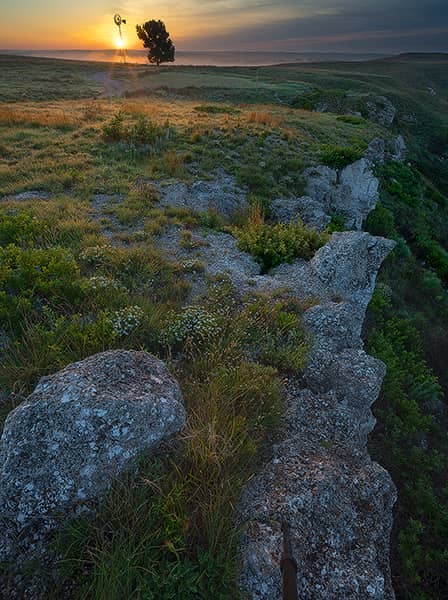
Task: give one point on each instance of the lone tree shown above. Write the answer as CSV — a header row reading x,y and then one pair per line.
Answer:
x,y
156,38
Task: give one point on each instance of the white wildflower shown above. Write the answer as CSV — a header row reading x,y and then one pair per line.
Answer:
x,y
127,320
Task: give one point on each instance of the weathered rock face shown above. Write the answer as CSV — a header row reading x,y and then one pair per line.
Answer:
x,y
397,149
220,194
287,210
338,505
80,428
352,193
343,270
320,478
381,110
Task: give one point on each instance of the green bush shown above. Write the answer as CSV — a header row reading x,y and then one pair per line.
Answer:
x,y
31,279
141,132
254,178
21,229
337,223
144,131
272,245
435,255
413,449
114,130
403,181
338,157
381,222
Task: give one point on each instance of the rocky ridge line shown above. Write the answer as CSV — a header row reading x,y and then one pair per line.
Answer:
x,y
320,478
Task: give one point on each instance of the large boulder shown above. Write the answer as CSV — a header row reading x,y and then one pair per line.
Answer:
x,y
64,445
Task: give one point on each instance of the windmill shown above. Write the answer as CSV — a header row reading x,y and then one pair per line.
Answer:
x,y
120,44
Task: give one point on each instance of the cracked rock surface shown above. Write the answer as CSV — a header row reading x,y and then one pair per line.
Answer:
x,y
320,478
64,445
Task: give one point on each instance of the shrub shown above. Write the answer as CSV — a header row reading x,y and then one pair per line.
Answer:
x,y
337,223
338,157
272,245
402,181
254,178
435,255
22,229
114,130
33,278
414,450
126,320
381,222
144,131
194,326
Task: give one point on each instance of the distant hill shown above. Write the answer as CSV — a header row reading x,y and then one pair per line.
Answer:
x,y
416,56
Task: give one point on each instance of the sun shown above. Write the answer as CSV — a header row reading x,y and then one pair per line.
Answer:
x,y
119,43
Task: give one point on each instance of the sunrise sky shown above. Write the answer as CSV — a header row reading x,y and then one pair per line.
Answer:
x,y
284,25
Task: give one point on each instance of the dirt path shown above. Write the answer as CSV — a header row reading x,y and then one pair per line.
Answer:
x,y
112,87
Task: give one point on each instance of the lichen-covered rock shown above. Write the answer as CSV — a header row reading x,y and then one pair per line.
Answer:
x,y
396,149
320,184
381,110
376,151
352,193
220,194
320,478
216,252
338,504
344,269
287,210
64,445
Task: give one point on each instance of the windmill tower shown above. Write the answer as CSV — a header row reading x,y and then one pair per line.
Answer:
x,y
120,42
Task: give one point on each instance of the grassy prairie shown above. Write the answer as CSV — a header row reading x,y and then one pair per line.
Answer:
x,y
71,131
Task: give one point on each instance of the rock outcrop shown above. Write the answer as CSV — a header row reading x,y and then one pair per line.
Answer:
x,y
220,194
320,478
64,445
310,210
351,192
381,110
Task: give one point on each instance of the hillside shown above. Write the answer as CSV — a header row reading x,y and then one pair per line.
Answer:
x,y
259,230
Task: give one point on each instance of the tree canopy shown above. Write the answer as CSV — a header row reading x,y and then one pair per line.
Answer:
x,y
156,38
